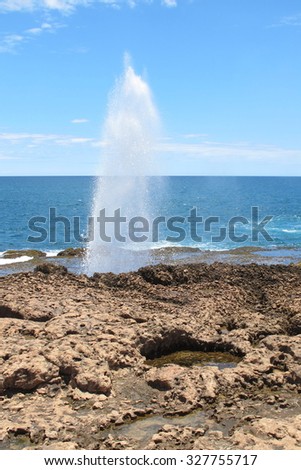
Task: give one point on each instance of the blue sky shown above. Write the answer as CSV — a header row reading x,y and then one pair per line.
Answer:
x,y
225,75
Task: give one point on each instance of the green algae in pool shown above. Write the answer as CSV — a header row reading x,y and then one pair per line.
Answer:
x,y
221,360
142,429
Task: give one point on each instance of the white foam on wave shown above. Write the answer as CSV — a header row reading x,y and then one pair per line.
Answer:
x,y
52,253
164,244
19,259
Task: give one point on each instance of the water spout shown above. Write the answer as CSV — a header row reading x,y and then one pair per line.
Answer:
x,y
129,136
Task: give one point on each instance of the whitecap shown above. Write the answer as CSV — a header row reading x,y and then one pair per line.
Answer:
x,y
52,253
19,259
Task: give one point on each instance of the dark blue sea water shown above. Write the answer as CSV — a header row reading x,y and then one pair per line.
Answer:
x,y
22,198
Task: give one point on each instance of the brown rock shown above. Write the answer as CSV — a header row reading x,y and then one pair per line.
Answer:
x,y
164,378
78,347
26,372
93,378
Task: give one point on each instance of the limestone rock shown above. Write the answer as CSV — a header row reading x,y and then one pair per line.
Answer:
x,y
26,372
74,351
164,378
93,379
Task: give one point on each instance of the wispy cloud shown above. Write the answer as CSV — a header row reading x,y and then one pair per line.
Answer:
x,y
220,150
41,139
12,143
23,153
292,20
169,3
68,140
11,43
79,121
78,50
69,6
195,136
64,6
44,27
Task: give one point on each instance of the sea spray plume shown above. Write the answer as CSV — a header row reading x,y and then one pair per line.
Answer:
x,y
129,135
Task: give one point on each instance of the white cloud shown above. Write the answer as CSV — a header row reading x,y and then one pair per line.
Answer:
x,y
169,3
292,20
79,121
64,6
11,42
202,150
132,3
41,139
185,157
16,5
34,31
68,6
78,50
220,150
43,28
194,136
31,5
73,140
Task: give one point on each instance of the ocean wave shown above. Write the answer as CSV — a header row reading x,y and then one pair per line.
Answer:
x,y
210,246
52,253
290,230
284,230
19,259
164,245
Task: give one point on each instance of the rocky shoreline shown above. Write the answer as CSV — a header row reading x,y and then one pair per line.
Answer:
x,y
75,369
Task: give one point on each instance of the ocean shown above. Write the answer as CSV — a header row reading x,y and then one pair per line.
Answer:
x,y
232,213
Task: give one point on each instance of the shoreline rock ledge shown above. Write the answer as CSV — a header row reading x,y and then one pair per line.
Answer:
x,y
76,356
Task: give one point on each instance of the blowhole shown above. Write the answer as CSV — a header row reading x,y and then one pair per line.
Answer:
x,y
179,348
187,358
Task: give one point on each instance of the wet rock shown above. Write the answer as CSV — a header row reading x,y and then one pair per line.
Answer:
x,y
71,252
295,324
18,253
50,268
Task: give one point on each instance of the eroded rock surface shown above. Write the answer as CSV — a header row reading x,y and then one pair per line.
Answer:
x,y
73,351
